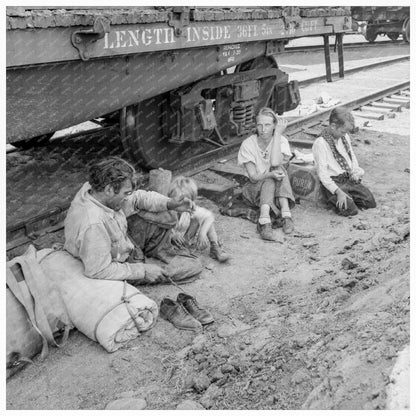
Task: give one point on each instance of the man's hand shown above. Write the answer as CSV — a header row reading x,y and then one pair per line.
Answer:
x,y
342,198
277,175
154,274
281,125
183,204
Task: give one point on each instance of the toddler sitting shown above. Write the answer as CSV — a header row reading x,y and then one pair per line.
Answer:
x,y
195,228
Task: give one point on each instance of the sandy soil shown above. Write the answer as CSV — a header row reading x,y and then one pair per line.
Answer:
x,y
315,322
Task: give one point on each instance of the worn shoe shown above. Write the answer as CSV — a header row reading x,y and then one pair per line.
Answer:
x,y
217,254
288,225
191,305
277,222
266,232
177,315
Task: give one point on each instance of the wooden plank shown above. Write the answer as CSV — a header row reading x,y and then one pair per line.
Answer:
x,y
400,97
372,116
393,101
229,168
387,105
30,46
372,109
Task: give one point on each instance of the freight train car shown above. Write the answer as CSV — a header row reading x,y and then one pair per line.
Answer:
x,y
386,21
178,77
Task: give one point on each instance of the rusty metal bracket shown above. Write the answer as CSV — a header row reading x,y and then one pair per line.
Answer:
x,y
326,23
179,17
274,47
82,39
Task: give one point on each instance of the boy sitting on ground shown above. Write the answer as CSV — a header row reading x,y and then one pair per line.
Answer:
x,y
338,168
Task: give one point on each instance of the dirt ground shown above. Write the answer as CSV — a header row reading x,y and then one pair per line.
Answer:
x,y
315,322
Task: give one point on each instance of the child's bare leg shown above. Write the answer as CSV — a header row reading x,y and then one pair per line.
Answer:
x,y
206,224
212,235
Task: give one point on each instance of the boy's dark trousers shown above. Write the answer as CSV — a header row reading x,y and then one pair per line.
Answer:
x,y
360,196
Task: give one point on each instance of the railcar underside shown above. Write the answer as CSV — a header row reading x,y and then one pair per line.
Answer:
x,y
176,85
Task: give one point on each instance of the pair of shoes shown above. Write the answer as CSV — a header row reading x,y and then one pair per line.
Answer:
x,y
288,225
266,232
217,254
185,313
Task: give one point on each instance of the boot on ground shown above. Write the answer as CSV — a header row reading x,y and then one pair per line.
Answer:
x,y
288,225
217,254
266,232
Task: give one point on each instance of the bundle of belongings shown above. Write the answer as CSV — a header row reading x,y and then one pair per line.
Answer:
x,y
48,294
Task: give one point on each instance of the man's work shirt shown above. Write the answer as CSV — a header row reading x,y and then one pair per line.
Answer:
x,y
251,152
97,235
327,165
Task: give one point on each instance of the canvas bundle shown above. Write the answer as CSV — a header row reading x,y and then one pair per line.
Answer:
x,y
35,311
107,311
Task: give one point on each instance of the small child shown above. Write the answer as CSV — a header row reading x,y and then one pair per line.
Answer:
x,y
196,228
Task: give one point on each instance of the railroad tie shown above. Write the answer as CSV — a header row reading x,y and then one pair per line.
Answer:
x,y
372,116
399,101
382,104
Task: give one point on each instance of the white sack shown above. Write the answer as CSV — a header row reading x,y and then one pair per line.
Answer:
x,y
96,307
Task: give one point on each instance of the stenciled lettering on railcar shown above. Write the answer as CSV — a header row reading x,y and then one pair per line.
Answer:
x,y
230,52
198,35
308,25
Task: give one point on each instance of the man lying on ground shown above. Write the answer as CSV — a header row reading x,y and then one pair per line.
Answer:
x,y
96,230
338,168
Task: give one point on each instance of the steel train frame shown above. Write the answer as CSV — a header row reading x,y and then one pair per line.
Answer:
x,y
174,97
391,21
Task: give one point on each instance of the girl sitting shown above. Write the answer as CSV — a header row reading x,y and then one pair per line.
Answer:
x,y
195,228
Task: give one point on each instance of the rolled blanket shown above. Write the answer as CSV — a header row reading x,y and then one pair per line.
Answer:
x,y
107,311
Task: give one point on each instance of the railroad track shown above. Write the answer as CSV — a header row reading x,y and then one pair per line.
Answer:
x,y
30,230
355,45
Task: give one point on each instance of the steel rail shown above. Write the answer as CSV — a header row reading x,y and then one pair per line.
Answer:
x,y
353,70
356,45
28,230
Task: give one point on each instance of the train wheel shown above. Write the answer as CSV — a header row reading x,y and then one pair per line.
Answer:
x,y
145,134
370,36
406,30
37,141
393,36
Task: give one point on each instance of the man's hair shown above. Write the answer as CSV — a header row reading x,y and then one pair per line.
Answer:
x,y
182,186
111,171
267,111
340,116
